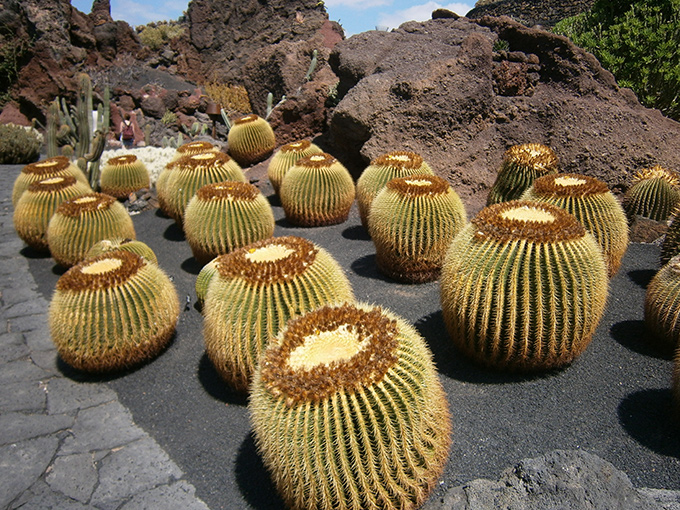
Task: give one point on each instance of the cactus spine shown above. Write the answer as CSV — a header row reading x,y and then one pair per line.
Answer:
x,y
662,306
285,158
670,247
123,175
251,140
131,245
523,287
50,167
348,411
654,193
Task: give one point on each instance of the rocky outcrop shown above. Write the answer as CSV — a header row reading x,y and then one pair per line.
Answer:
x,y
461,92
531,12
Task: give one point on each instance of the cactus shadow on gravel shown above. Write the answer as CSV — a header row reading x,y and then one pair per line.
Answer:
x,y
32,253
367,267
215,386
174,233
634,335
191,266
253,479
641,277
356,233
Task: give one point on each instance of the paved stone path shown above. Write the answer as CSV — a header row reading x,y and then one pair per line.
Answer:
x,y
65,444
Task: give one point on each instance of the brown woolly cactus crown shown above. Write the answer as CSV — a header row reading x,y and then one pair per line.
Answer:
x,y
51,184
657,172
286,157
419,185
573,185
91,202
195,147
125,159
402,160
106,271
50,167
231,190
131,245
534,155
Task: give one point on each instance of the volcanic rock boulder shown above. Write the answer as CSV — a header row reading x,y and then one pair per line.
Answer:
x,y
531,12
461,92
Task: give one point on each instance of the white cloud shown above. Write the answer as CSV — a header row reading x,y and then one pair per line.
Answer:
x,y
421,12
357,4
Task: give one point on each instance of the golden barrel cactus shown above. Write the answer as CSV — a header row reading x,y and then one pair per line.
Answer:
x,y
412,221
131,245
203,279
256,290
51,167
654,193
670,246
112,312
195,147
523,287
348,411
318,190
662,306
123,175
286,157
251,140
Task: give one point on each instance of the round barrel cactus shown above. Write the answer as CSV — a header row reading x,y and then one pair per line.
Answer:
x,y
348,411
112,312
80,222
591,202
521,165
382,170
256,290
670,246
654,193
662,306
523,287
412,221
131,245
286,157
123,175
224,216
251,140
205,276
195,147
50,167
38,203
318,190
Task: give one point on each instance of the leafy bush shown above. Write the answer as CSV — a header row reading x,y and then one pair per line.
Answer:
x,y
155,35
233,98
637,40
19,145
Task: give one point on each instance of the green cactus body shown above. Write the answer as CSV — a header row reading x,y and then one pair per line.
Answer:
x,y
192,148
521,165
670,247
318,190
50,167
131,245
39,202
80,222
112,312
523,287
257,289
654,194
224,216
591,202
251,139
412,221
662,306
123,175
189,174
382,170
205,276
286,157
348,411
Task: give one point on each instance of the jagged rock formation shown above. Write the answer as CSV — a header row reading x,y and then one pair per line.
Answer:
x,y
531,12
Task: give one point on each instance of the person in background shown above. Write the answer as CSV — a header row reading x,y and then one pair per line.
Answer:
x,y
127,132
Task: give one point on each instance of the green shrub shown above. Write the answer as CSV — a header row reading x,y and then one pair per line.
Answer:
x,y
19,145
638,42
155,35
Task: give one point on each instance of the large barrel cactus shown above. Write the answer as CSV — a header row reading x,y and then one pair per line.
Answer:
x,y
662,306
348,411
123,175
286,157
251,139
523,287
383,169
256,290
591,202
521,165
654,193
112,312
412,221
50,167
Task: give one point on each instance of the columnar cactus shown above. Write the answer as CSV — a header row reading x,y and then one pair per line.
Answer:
x,y
251,139
39,202
521,165
662,306
654,193
123,175
80,222
131,245
224,216
256,290
523,287
286,157
591,202
348,411
318,190
382,170
112,312
412,221
50,167
190,173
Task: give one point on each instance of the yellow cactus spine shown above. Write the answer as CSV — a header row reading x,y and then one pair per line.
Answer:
x,y
654,193
251,140
123,175
662,306
131,245
285,158
51,167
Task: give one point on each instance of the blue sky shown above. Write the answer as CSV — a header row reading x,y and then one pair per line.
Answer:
x,y
354,15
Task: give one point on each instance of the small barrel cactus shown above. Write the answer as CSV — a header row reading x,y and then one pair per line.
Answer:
x,y
224,216
131,245
80,222
39,202
662,306
412,221
189,174
348,411
318,190
286,157
654,193
382,170
112,312
591,202
251,140
205,276
256,290
523,287
123,175
50,167
195,147
521,165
